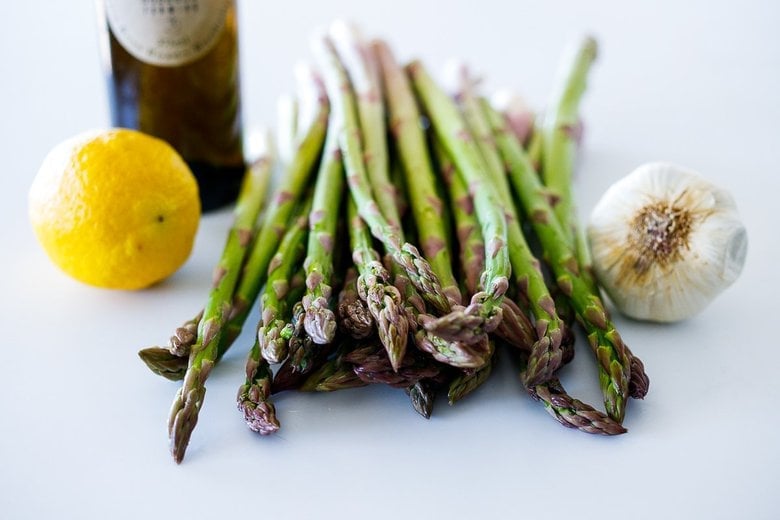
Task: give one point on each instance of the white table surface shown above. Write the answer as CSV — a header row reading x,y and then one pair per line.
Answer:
x,y
82,421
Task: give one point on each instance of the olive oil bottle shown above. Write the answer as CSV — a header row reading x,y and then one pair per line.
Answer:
x,y
173,72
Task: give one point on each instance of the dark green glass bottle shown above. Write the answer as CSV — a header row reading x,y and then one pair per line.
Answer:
x,y
173,72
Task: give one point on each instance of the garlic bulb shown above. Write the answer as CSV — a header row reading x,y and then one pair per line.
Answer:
x,y
665,242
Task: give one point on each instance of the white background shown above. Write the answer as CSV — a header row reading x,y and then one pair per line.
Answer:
x,y
82,422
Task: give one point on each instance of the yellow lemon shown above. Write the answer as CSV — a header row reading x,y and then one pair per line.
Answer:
x,y
115,208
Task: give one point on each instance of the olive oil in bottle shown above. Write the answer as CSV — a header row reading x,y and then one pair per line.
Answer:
x,y
173,72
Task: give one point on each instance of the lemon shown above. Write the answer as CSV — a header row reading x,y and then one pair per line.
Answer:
x,y
115,208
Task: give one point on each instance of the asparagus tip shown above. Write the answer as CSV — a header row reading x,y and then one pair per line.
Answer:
x,y
183,418
545,358
259,415
320,322
163,363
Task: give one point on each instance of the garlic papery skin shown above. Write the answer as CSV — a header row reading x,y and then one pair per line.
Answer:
x,y
665,242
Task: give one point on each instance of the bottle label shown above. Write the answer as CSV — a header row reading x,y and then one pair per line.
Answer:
x,y
167,32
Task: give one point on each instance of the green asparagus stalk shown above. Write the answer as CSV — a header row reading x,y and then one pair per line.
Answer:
x,y
312,124
320,320
404,254
287,128
546,353
401,198
420,180
560,134
484,312
611,353
286,261
254,396
206,350
360,66
471,245
427,208
523,124
560,127
382,299
535,147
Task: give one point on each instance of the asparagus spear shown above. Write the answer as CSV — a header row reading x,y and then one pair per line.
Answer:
x,y
228,309
254,396
560,126
404,254
312,123
614,360
420,180
471,245
287,128
206,350
286,261
560,134
522,123
535,147
546,353
320,320
427,208
514,326
360,64
361,68
382,299
484,311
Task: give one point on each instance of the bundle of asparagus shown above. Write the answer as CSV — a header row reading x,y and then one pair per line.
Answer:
x,y
487,256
